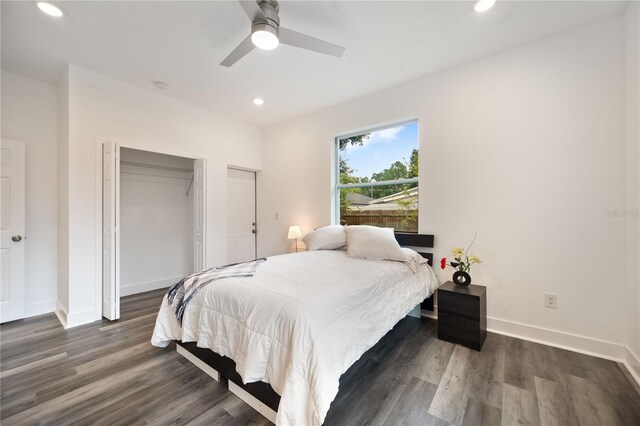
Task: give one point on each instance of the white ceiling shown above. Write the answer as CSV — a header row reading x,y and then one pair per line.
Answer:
x,y
183,42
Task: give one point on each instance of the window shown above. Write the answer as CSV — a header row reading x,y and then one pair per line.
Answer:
x,y
377,182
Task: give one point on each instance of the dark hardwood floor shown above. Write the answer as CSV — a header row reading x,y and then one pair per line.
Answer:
x,y
108,373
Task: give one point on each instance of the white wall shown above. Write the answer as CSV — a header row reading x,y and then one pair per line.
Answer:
x,y
156,221
62,304
526,148
633,179
101,107
30,114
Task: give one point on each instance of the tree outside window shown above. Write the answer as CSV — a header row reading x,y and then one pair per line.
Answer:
x,y
378,177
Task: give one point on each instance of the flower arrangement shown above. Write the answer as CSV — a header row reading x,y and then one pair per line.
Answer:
x,y
462,264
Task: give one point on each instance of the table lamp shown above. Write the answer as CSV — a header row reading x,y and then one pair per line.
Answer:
x,y
294,234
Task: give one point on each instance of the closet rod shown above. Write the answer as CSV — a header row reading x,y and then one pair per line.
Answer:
x,y
153,166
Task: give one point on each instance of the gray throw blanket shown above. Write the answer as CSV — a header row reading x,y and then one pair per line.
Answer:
x,y
181,293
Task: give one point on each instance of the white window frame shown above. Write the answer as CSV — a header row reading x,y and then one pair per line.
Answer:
x,y
340,186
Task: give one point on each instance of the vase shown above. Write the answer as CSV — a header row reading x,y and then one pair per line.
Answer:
x,y
461,278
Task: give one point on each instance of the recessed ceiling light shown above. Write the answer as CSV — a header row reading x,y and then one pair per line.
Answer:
x,y
49,9
484,5
159,84
258,101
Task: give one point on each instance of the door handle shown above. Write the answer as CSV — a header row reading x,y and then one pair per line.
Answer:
x,y
16,238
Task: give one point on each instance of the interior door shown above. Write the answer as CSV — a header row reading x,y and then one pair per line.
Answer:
x,y
12,223
241,215
110,230
200,213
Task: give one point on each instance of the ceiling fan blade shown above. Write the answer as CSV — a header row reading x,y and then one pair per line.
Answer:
x,y
294,38
239,52
252,10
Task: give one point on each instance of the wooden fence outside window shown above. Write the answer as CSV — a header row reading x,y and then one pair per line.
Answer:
x,y
400,220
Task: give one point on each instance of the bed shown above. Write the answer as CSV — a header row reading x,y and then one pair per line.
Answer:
x,y
285,336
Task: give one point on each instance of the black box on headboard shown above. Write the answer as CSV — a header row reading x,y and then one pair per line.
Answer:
x,y
417,241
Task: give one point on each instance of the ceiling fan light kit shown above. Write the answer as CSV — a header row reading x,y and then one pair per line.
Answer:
x,y
264,36
267,34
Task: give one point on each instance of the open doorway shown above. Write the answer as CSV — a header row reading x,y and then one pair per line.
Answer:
x,y
156,220
153,222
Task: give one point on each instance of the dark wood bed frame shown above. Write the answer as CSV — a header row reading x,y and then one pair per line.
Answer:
x,y
260,395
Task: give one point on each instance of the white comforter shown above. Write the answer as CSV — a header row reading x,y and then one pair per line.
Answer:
x,y
300,322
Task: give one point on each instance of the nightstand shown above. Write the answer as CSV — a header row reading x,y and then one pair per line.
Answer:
x,y
462,314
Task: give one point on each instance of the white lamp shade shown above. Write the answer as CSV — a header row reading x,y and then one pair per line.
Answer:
x,y
294,232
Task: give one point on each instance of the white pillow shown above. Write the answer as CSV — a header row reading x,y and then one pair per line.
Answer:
x,y
371,242
326,238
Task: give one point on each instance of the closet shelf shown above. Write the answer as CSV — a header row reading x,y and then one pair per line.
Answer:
x,y
154,166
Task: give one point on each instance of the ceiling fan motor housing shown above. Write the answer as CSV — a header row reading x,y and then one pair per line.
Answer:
x,y
270,9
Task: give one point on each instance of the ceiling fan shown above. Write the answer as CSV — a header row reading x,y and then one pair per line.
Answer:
x,y
266,33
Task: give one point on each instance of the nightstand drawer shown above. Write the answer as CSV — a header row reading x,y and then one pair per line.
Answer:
x,y
460,330
459,305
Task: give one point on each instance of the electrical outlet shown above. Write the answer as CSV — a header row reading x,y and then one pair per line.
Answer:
x,y
551,300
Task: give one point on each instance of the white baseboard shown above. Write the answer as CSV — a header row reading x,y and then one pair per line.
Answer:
x,y
75,319
39,308
135,288
632,362
559,339
61,313
572,342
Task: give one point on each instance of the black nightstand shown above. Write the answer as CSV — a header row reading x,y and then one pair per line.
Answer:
x,y
462,314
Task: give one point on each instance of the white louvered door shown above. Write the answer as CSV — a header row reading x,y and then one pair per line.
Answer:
x,y
110,230
200,213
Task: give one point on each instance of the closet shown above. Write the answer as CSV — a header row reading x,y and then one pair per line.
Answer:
x,y
156,220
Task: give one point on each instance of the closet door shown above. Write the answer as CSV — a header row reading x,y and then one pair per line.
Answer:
x,y
200,213
110,230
